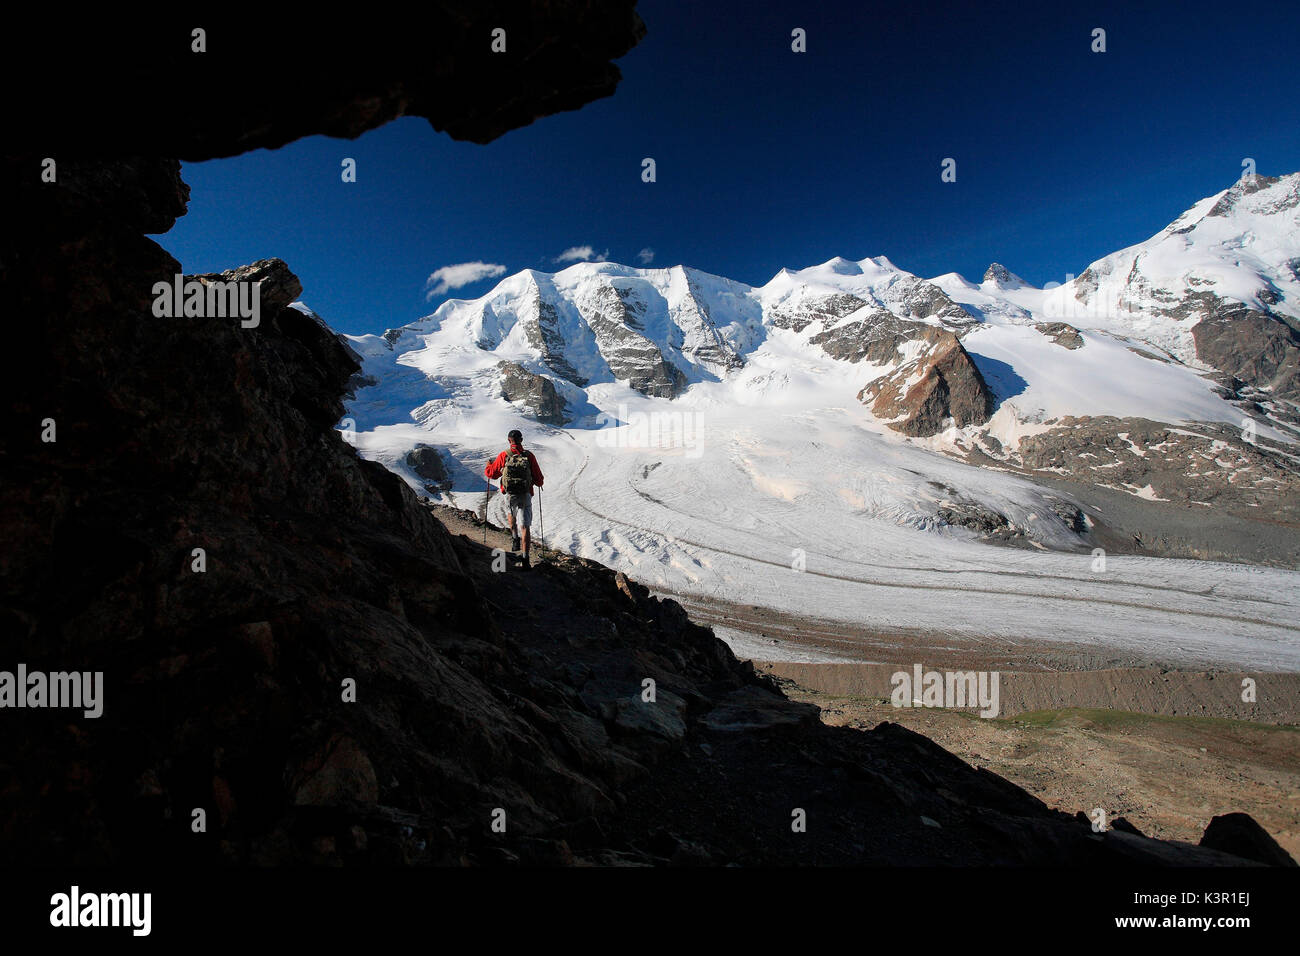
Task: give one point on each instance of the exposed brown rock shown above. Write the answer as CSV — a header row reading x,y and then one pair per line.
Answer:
x,y
921,396
339,773
277,286
1063,334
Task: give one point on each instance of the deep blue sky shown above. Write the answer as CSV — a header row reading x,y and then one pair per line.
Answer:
x,y
767,158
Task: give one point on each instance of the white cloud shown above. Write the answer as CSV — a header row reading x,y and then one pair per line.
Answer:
x,y
646,256
582,254
450,277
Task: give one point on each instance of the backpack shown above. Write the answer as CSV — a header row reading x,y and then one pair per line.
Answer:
x,y
518,473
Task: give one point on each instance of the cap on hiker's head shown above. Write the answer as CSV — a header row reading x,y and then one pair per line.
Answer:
x,y
516,436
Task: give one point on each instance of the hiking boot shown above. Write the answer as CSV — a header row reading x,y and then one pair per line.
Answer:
x,y
525,564
514,542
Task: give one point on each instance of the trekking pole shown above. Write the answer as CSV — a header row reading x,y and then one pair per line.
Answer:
x,y
541,521
487,493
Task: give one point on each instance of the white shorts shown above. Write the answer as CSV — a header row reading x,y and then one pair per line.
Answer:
x,y
521,507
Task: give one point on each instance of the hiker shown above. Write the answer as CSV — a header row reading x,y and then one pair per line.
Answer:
x,y
518,471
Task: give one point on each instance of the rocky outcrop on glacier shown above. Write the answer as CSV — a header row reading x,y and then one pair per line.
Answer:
x,y
1062,333
938,389
536,393
427,462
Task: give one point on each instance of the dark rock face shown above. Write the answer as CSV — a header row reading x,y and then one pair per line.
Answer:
x,y
176,435
920,397
535,392
355,73
919,299
277,286
956,510
1240,835
1242,187
143,194
877,339
1063,334
702,341
1071,516
973,516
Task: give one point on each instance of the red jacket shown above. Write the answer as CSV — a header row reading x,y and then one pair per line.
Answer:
x,y
495,468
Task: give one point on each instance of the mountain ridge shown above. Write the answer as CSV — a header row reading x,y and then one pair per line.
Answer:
x,y
1175,329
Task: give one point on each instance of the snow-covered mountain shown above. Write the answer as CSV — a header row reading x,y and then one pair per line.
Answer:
x,y
1198,323
691,425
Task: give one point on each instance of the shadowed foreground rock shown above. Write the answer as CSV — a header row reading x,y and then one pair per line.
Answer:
x,y
1239,834
117,85
293,644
